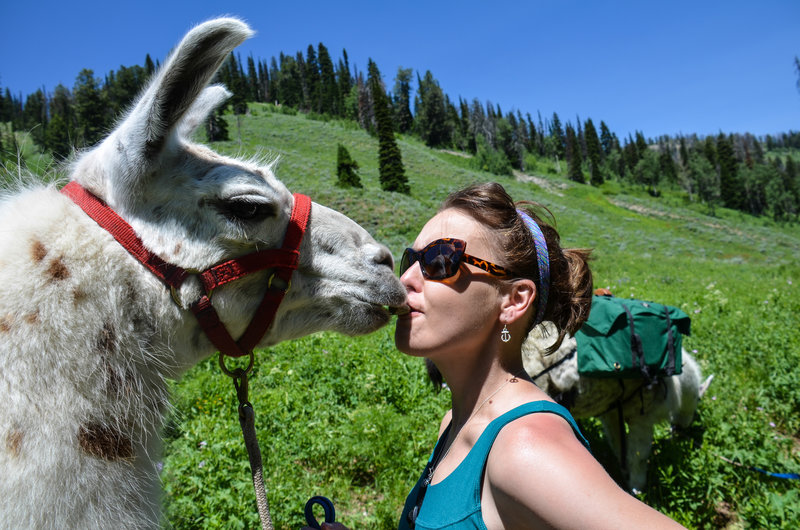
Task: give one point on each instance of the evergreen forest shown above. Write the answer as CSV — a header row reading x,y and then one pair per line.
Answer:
x,y
755,175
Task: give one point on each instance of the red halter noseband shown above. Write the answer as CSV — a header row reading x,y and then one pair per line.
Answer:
x,y
283,260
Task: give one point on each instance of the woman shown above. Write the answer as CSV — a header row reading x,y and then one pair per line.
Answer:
x,y
481,274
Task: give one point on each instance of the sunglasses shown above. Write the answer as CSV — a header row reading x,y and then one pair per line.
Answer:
x,y
442,258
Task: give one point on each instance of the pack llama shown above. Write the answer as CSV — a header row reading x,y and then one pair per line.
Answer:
x,y
641,406
90,329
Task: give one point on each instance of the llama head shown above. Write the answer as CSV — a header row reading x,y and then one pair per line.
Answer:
x,y
195,208
556,373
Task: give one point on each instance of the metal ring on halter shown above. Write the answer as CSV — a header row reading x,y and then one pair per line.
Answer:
x,y
272,278
238,372
174,291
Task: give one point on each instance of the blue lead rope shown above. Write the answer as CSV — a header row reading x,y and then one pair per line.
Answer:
x,y
788,476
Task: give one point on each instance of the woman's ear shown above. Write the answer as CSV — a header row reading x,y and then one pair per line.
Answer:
x,y
516,301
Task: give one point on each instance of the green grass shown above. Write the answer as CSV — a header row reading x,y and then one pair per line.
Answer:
x,y
353,419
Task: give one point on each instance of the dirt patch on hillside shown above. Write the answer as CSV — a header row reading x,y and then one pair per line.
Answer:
x,y
547,185
643,210
455,153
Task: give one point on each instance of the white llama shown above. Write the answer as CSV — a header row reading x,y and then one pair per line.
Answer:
x,y
88,334
672,399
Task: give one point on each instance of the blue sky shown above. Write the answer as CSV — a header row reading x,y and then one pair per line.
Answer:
x,y
657,67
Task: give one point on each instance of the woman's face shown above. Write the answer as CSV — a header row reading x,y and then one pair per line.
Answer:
x,y
455,315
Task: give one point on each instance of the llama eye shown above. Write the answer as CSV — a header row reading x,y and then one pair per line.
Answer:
x,y
246,210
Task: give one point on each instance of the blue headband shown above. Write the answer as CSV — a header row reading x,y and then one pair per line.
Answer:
x,y
542,259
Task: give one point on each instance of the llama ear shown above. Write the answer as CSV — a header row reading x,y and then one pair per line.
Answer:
x,y
208,101
179,84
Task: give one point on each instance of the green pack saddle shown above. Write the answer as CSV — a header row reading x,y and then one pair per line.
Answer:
x,y
627,338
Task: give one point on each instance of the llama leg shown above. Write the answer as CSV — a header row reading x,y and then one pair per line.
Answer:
x,y
689,388
612,427
640,442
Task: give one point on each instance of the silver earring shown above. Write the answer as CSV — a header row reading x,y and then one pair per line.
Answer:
x,y
505,335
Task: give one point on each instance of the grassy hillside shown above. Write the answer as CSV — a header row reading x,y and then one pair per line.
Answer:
x,y
353,419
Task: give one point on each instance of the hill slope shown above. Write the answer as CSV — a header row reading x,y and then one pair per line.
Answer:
x,y
353,419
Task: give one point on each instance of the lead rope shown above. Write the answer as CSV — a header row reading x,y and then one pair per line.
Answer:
x,y
247,419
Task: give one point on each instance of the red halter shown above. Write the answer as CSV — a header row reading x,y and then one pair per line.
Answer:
x,y
283,260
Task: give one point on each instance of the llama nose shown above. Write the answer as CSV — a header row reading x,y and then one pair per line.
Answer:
x,y
383,256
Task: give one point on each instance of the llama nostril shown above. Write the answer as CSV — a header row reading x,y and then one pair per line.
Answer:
x,y
384,257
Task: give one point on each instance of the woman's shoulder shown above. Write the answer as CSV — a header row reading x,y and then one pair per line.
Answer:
x,y
537,435
538,469
542,445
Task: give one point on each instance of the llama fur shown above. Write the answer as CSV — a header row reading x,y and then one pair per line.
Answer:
x,y
673,399
88,336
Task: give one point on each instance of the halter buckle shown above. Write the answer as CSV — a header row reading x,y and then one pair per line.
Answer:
x,y
282,285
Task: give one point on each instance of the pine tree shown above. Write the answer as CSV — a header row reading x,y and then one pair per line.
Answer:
x,y
390,163
263,82
275,75
123,87
61,126
6,106
217,127
641,146
631,155
667,165
702,173
252,80
149,67
684,153
402,100
329,90
431,113
346,169
90,109
313,84
233,78
647,172
606,138
290,87
344,82
593,153
34,116
573,154
729,182
557,134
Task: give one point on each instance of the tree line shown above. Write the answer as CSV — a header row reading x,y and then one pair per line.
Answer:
x,y
738,171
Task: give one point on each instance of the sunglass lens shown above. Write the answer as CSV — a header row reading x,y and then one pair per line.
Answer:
x,y
441,261
407,260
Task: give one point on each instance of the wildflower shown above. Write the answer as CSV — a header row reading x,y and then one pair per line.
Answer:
x,y
772,424
159,466
202,463
694,351
713,398
696,311
202,445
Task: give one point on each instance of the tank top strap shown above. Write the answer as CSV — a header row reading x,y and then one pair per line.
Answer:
x,y
486,439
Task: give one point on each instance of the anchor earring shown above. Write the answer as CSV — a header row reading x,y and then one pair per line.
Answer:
x,y
505,335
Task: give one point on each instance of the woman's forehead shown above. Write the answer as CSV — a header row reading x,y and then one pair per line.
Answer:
x,y
456,224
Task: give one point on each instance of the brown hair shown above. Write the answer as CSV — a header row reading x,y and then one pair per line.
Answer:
x,y
570,290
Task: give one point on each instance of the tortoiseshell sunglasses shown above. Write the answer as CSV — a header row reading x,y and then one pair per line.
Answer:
x,y
441,259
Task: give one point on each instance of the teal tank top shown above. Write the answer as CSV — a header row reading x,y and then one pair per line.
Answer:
x,y
455,502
